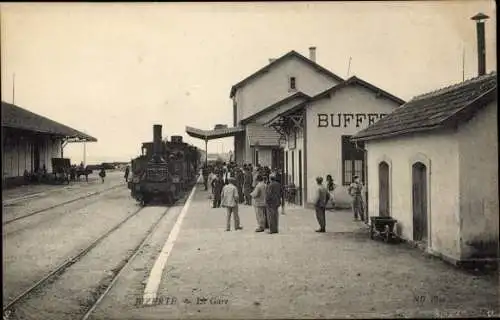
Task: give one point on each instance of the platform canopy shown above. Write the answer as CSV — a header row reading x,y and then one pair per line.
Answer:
x,y
217,133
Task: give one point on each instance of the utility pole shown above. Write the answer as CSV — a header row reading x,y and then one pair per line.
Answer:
x,y
463,63
349,67
13,88
84,151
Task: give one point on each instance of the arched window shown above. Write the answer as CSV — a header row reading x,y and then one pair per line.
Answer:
x,y
419,201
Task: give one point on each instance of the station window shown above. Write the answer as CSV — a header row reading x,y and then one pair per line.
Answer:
x,y
353,160
293,83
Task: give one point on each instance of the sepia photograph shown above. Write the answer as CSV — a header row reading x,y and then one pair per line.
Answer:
x,y
249,160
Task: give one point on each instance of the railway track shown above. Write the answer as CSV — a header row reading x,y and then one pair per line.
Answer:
x,y
59,270
61,204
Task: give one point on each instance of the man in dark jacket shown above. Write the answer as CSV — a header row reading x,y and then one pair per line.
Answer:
x,y
247,185
273,202
320,200
239,184
205,173
217,186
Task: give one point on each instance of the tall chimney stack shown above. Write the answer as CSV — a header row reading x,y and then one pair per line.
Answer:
x,y
481,43
157,139
312,53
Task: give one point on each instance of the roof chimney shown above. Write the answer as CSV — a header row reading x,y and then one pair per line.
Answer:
x,y
312,53
481,47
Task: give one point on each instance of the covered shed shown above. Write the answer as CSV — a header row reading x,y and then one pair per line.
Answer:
x,y
30,141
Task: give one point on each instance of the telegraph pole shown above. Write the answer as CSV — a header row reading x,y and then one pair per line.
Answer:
x,y
349,67
84,151
463,63
13,88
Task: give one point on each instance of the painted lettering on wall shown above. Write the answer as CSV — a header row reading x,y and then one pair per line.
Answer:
x,y
344,120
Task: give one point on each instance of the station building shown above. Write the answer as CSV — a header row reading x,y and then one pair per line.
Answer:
x,y
433,166
282,83
30,141
297,115
316,135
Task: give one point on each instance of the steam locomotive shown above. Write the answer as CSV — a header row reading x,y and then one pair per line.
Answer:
x,y
164,170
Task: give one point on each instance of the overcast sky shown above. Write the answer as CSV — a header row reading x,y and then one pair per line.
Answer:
x,y
113,70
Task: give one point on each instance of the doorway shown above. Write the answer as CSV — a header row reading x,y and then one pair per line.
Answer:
x,y
383,189
36,156
419,200
300,178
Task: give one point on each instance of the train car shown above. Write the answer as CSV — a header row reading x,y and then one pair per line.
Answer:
x,y
151,177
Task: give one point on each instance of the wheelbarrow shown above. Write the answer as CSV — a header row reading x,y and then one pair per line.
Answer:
x,y
382,227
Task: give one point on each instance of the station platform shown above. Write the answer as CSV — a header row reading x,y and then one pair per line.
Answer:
x,y
298,273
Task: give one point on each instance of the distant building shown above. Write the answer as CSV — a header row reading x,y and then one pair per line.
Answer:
x,y
296,115
30,141
433,166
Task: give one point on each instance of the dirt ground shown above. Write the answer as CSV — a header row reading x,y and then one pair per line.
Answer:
x,y
296,274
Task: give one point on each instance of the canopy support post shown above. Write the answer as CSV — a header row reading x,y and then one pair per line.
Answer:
x,y
206,151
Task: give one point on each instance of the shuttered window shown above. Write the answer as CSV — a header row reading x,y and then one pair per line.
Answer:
x,y
353,160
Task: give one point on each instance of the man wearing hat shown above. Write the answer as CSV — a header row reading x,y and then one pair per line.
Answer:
x,y
320,200
273,202
230,202
356,191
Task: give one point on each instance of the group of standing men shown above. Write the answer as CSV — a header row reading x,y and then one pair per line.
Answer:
x,y
232,185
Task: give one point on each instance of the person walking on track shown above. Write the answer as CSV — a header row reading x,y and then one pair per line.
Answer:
x,y
127,172
230,202
273,202
102,174
259,202
320,200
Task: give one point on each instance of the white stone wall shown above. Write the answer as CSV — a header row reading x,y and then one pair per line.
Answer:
x,y
439,151
324,143
273,86
479,207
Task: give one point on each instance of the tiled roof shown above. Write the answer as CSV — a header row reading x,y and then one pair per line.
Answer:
x,y
278,61
438,109
213,134
269,109
16,117
262,136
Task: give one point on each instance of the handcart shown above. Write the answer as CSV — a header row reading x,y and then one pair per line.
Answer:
x,y
382,227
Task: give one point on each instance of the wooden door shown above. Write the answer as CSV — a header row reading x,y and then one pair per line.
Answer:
x,y
419,200
383,189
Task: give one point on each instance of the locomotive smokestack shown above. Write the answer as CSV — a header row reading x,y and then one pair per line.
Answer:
x,y
157,139
481,46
